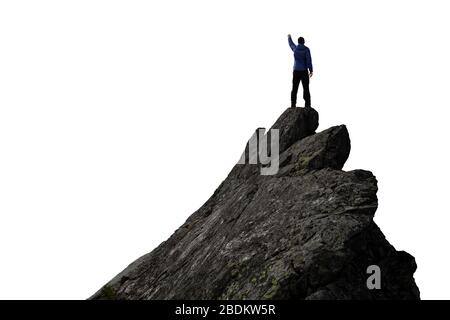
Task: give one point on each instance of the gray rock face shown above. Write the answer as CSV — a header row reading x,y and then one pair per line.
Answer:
x,y
304,233
295,124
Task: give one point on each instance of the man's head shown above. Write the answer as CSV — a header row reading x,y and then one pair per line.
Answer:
x,y
301,40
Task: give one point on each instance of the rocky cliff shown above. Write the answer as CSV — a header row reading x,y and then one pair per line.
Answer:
x,y
306,232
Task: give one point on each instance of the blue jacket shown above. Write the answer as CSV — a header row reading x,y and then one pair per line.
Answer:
x,y
302,56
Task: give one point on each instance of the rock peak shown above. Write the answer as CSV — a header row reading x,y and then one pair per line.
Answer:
x,y
295,124
306,232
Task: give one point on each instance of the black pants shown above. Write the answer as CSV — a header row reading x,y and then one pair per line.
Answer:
x,y
302,76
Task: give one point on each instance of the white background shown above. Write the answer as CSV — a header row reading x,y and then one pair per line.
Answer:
x,y
118,119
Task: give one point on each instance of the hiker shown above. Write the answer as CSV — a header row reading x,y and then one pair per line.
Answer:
x,y
303,70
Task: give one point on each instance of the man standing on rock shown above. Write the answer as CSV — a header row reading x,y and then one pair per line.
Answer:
x,y
303,70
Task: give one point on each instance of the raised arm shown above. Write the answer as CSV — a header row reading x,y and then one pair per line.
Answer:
x,y
291,43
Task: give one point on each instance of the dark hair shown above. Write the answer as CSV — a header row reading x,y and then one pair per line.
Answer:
x,y
301,40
